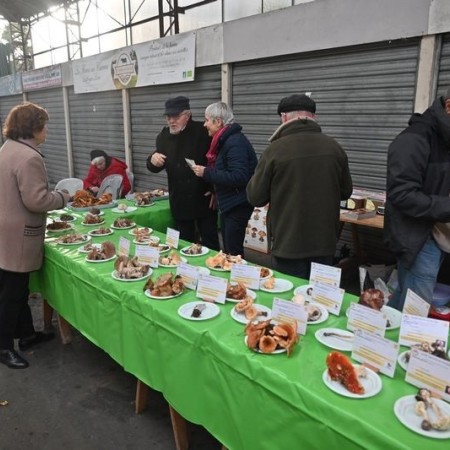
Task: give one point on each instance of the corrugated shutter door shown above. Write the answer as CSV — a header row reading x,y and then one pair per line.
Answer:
x,y
55,147
364,95
6,104
96,120
147,120
444,66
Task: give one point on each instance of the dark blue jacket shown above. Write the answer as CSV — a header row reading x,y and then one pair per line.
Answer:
x,y
235,164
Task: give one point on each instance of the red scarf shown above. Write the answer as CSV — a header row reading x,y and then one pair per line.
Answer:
x,y
211,156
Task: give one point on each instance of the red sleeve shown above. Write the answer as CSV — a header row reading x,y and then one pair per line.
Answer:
x,y
92,178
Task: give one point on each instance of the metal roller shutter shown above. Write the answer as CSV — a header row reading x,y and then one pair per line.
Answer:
x,y
96,120
147,107
6,104
364,95
443,82
55,147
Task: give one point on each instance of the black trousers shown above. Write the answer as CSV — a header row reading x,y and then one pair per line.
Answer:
x,y
233,224
300,268
205,228
15,314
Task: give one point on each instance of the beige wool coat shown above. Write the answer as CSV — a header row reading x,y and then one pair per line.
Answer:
x,y
24,202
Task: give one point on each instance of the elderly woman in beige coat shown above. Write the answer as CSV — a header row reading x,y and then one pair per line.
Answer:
x,y
24,202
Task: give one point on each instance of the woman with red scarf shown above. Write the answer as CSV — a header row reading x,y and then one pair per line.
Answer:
x,y
231,163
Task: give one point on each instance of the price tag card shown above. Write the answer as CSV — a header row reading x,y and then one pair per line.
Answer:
x,y
124,246
189,274
172,237
415,305
325,274
290,312
428,371
376,351
417,330
361,317
329,296
212,288
249,275
147,255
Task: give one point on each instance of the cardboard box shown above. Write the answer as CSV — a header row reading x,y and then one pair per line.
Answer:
x,y
256,232
358,214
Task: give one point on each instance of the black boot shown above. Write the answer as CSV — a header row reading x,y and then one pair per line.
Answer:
x,y
36,338
12,359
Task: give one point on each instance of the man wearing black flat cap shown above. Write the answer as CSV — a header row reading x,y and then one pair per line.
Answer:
x,y
304,175
191,201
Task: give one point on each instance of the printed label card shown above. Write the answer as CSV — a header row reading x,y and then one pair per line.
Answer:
x,y
415,305
243,273
325,274
189,274
147,255
172,237
375,351
418,330
361,317
329,296
124,246
211,288
289,312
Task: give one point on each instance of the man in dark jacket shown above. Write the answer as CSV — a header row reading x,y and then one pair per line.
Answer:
x,y
304,174
417,200
189,196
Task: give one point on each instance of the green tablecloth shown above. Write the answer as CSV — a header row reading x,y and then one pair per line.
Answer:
x,y
205,371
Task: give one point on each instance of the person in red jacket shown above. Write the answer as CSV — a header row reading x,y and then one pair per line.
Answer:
x,y
101,166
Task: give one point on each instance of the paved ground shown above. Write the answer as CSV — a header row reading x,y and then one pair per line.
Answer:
x,y
76,397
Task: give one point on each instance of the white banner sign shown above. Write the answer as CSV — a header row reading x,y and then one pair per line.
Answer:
x,y
42,78
163,61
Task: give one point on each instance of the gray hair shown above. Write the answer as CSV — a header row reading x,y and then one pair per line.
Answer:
x,y
97,160
220,110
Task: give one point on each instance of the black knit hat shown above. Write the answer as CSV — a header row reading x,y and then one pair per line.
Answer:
x,y
97,153
176,105
297,102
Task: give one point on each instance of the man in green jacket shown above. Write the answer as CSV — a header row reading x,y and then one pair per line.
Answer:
x,y
304,175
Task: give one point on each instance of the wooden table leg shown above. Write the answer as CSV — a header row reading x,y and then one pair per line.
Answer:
x,y
141,401
64,330
48,314
179,426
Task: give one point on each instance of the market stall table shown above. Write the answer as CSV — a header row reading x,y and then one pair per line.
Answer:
x,y
206,372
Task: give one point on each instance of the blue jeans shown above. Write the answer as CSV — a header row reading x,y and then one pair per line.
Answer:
x,y
420,277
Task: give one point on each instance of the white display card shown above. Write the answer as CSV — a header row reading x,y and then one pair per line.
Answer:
x,y
290,312
249,275
361,317
172,237
415,305
124,246
428,371
325,274
375,351
211,288
416,330
189,275
329,296
147,255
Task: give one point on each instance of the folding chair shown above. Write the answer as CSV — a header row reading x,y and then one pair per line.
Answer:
x,y
112,184
71,184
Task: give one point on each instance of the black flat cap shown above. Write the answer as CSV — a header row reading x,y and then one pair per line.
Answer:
x,y
176,105
297,102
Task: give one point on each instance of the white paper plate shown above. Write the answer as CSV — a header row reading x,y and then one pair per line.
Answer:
x,y
281,285
97,246
401,359
94,234
240,316
173,265
133,232
144,206
83,239
99,260
404,409
68,221
101,213
124,211
335,342
303,290
133,224
116,277
163,248
211,310
93,224
275,352
220,269
323,317
250,293
70,227
371,383
156,297
204,251
87,208
203,271
393,315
